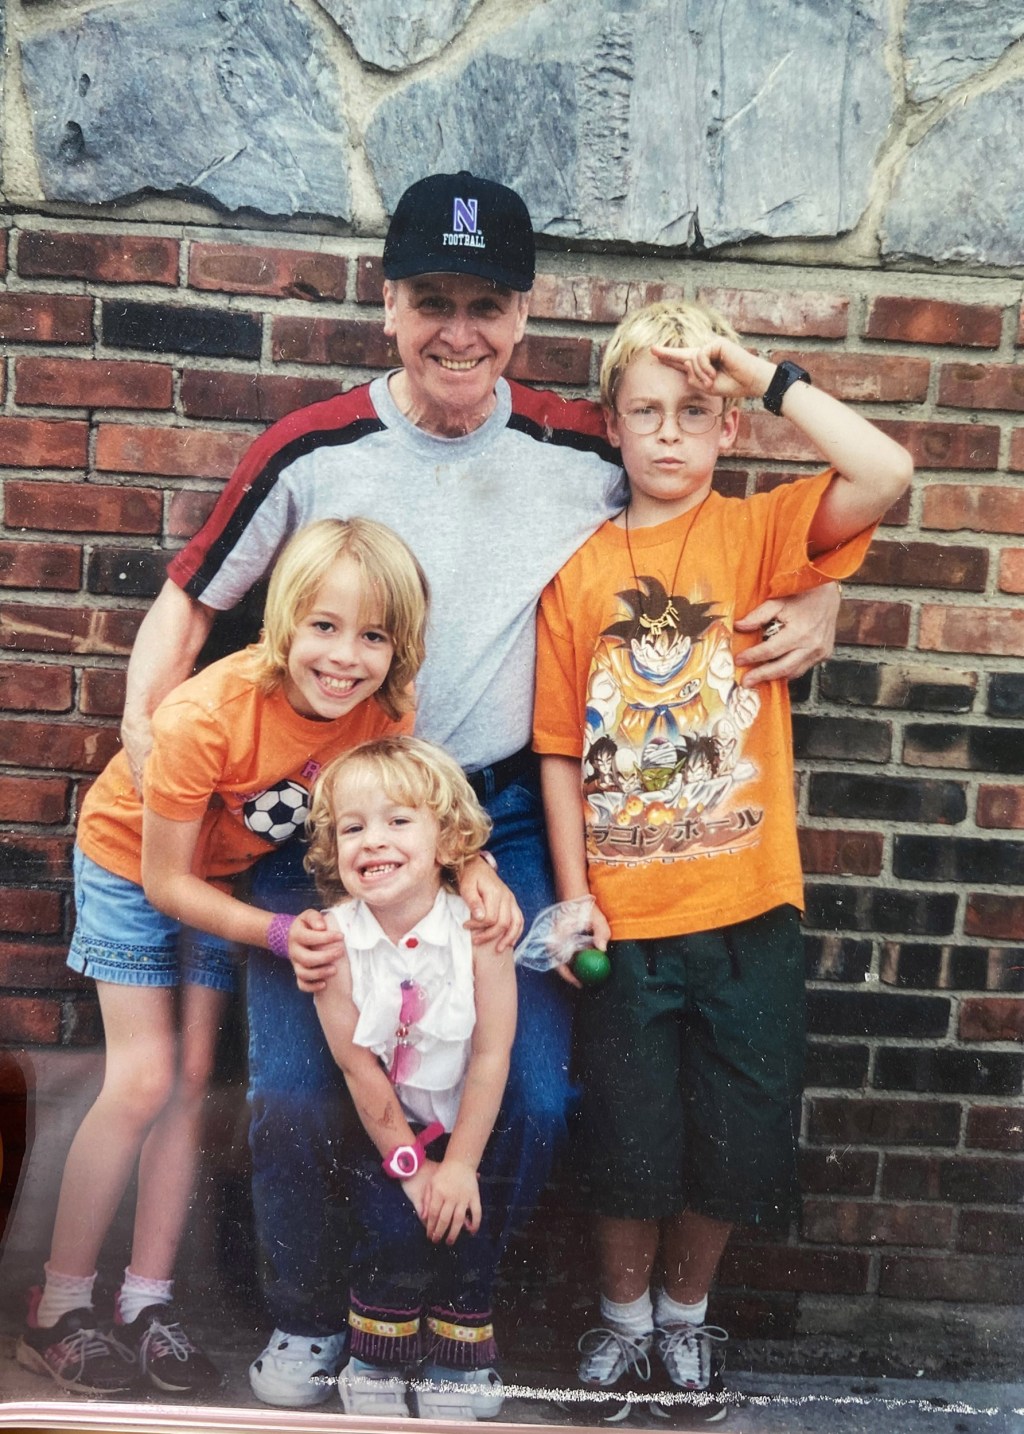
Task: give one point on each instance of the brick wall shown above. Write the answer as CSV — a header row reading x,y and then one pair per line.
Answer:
x,y
141,360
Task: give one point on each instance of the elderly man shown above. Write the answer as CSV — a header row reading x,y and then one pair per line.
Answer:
x,y
494,486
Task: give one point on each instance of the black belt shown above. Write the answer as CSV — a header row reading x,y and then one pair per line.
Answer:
x,y
489,781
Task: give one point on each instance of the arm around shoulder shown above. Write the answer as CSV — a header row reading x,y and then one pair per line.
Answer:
x,y
166,646
173,887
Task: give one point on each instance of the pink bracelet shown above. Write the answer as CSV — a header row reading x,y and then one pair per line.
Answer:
x,y
277,934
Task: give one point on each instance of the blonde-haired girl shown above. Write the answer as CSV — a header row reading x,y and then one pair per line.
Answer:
x,y
236,750
421,1022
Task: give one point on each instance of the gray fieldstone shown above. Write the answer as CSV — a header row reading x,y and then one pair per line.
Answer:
x,y
660,121
232,100
959,194
394,35
945,44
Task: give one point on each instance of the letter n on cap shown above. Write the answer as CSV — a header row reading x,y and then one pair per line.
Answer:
x,y
464,216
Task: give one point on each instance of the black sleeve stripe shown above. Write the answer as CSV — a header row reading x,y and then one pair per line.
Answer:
x,y
262,485
566,438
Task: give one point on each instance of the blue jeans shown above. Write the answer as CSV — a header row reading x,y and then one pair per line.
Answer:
x,y
398,1276
300,1109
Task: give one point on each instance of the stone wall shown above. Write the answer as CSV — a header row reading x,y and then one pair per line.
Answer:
x,y
882,131
195,197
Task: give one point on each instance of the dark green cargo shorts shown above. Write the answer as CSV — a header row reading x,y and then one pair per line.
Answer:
x,y
691,1057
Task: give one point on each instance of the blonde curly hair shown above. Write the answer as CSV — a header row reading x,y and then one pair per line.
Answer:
x,y
413,773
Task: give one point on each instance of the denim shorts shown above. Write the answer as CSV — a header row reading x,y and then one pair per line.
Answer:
x,y
119,937
692,1057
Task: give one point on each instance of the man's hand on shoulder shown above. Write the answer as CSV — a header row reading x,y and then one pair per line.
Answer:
x,y
805,635
494,914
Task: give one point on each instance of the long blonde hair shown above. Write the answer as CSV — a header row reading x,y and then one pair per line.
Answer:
x,y
392,579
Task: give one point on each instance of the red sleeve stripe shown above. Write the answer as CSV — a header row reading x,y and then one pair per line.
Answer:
x,y
334,423
566,422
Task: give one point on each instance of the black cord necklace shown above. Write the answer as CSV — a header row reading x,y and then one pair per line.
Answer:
x,y
669,617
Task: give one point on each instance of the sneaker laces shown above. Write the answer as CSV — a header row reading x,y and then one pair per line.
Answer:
x,y
682,1351
161,1340
608,1354
85,1344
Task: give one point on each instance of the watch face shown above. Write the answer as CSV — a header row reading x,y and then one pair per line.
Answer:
x,y
786,374
404,1161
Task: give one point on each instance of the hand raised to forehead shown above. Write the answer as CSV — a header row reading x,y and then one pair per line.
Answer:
x,y
719,367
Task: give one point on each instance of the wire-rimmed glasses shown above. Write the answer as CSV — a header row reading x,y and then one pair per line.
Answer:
x,y
646,419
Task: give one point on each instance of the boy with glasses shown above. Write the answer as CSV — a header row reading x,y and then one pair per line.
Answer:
x,y
691,1054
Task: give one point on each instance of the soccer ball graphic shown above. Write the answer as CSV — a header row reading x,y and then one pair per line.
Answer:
x,y
279,812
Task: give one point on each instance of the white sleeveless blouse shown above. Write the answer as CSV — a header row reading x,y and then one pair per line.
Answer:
x,y
415,1003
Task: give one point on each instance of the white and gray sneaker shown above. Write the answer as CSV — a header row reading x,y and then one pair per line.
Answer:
x,y
369,1389
694,1369
442,1393
295,1372
617,1364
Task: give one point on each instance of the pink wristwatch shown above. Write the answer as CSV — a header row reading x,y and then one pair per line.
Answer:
x,y
403,1162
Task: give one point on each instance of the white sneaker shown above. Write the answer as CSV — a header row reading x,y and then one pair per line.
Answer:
x,y
609,1354
619,1365
685,1351
294,1371
458,1393
697,1389
369,1389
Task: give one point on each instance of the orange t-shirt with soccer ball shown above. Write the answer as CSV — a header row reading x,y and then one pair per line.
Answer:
x,y
225,750
687,777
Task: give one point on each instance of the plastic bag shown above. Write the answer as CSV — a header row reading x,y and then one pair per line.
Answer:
x,y
558,934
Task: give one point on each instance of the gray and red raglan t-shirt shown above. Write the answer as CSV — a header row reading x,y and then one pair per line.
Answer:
x,y
492,516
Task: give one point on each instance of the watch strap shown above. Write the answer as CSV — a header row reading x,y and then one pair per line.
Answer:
x,y
403,1161
429,1133
785,376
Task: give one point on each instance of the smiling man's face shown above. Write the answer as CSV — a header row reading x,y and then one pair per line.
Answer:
x,y
455,335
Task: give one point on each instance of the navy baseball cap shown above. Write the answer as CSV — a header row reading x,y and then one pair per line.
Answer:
x,y
459,224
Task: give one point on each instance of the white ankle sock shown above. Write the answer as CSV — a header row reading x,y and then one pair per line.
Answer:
x,y
668,1311
634,1317
137,1293
62,1293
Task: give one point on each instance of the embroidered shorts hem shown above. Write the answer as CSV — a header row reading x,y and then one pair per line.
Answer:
x,y
132,965
149,948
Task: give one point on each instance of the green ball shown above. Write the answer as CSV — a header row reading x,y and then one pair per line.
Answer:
x,y
591,966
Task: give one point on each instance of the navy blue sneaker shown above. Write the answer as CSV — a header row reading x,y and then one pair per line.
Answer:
x,y
166,1357
76,1353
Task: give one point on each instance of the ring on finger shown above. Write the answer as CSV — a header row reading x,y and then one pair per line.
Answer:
x,y
771,628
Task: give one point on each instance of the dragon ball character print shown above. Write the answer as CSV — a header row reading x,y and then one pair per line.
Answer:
x,y
664,773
